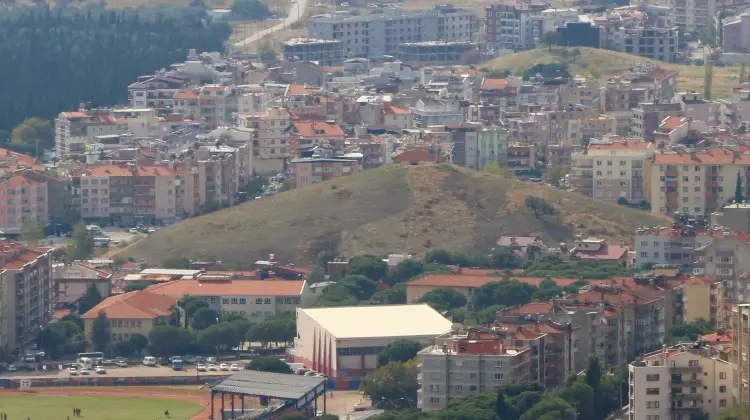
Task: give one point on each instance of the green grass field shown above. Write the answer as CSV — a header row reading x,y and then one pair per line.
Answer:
x,y
54,407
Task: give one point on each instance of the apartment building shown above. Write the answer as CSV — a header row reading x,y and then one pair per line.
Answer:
x,y
611,171
648,116
23,200
27,293
521,157
463,363
427,112
270,138
619,97
516,26
376,35
73,279
324,52
131,313
311,170
212,105
75,130
306,135
642,29
740,333
734,112
736,33
253,299
127,193
733,217
551,344
156,91
501,92
703,298
726,259
669,246
677,383
695,183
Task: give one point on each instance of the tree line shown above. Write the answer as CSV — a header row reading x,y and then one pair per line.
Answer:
x,y
63,57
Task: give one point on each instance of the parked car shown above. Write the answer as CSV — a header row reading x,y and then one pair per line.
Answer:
x,y
213,368
84,372
12,368
235,367
200,367
121,363
73,371
223,366
211,360
101,370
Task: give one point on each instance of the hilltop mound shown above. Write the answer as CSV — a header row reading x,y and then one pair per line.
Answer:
x,y
609,63
393,209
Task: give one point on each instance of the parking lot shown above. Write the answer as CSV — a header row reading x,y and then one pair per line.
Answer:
x,y
131,371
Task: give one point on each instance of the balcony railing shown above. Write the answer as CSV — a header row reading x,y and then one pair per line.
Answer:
x,y
685,369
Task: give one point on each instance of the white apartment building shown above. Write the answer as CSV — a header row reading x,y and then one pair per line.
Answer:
x,y
612,170
676,383
75,130
377,35
427,112
690,15
514,27
270,138
461,364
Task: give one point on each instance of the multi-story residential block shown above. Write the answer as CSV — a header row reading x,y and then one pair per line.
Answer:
x,y
703,298
437,52
396,118
381,34
75,130
514,27
736,34
311,170
726,259
306,135
253,299
270,138
694,106
156,91
500,92
669,246
740,346
733,217
695,183
212,105
593,127
736,111
461,364
132,313
551,343
521,157
427,112
690,15
619,97
325,52
333,342
611,171
647,117
676,383
642,29
127,193
27,293
23,200
474,145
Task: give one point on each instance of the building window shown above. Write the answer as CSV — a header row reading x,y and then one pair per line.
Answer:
x,y
243,301
722,375
723,388
652,417
652,377
234,301
435,400
225,301
652,404
652,391
259,301
267,301
498,376
722,403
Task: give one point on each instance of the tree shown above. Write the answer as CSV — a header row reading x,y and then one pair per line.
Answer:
x,y
502,409
550,39
33,136
494,168
316,275
274,329
399,351
190,305
743,73
250,10
396,295
738,412
503,292
177,263
498,74
581,396
444,299
137,285
100,334
138,342
594,71
557,174
367,265
83,242
539,206
167,339
204,318
91,298
217,337
255,186
594,374
739,196
269,364
74,318
405,270
392,386
51,340
32,232
550,408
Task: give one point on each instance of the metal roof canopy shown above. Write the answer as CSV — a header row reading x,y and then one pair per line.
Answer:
x,y
282,386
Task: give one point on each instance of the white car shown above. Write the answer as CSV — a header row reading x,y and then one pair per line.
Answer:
x,y
101,370
73,371
235,367
11,368
200,367
213,368
84,371
223,366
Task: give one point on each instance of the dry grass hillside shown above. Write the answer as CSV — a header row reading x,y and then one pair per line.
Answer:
x,y
394,209
610,62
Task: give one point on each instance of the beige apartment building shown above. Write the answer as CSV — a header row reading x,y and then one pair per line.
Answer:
x,y
703,298
74,130
694,183
740,332
464,363
136,312
677,383
727,259
612,170
270,138
27,293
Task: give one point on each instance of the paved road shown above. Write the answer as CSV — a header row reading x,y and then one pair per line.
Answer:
x,y
296,11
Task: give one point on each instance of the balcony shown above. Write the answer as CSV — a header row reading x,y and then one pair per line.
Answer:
x,y
687,397
686,383
686,409
685,369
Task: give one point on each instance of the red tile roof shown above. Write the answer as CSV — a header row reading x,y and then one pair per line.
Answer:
x,y
19,181
139,304
269,287
317,129
394,110
187,94
16,255
488,83
293,90
714,156
605,253
670,123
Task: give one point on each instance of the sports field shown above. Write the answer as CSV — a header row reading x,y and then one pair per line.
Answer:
x,y
54,407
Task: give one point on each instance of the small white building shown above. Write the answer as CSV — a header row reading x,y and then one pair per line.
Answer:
x,y
344,342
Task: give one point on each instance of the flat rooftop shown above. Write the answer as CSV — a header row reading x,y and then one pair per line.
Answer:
x,y
380,321
273,385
